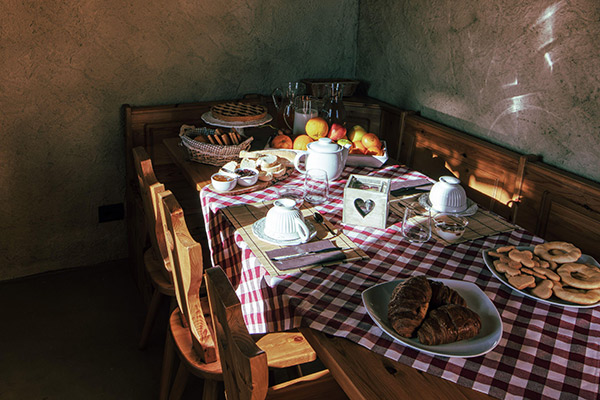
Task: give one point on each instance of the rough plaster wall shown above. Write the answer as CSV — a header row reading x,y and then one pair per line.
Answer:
x,y
523,74
66,69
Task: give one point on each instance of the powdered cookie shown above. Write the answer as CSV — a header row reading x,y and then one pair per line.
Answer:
x,y
547,273
543,290
578,296
580,276
505,249
521,281
564,252
525,257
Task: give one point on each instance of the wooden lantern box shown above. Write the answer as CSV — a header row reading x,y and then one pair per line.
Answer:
x,y
366,201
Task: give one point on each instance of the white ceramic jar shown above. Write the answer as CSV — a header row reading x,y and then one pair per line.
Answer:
x,y
448,196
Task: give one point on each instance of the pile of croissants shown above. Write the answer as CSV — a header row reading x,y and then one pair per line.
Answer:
x,y
432,312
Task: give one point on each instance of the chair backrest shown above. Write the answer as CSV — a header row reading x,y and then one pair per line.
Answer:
x,y
187,270
150,188
244,364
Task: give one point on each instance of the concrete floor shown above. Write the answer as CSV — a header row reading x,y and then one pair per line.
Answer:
x,y
73,335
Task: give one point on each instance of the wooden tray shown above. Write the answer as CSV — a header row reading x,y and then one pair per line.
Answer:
x,y
257,186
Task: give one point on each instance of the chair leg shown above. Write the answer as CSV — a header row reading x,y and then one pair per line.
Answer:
x,y
150,317
180,381
211,390
167,367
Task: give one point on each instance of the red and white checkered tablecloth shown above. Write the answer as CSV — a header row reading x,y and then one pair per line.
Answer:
x,y
546,351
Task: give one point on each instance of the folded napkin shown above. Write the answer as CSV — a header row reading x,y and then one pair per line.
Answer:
x,y
395,185
308,254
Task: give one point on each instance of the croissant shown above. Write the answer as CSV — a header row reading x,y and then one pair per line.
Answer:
x,y
409,304
442,295
447,324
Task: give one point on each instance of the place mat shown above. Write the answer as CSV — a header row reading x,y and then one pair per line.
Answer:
x,y
482,224
245,215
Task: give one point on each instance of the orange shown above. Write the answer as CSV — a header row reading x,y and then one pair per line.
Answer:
x,y
359,145
301,141
356,150
374,151
201,138
282,141
371,140
316,128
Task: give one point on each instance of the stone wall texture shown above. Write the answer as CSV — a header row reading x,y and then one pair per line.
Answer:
x,y
68,67
523,74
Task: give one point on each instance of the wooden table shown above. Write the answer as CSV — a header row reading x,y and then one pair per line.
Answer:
x,y
362,374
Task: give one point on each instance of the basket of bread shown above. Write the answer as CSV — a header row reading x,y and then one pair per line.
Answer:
x,y
213,146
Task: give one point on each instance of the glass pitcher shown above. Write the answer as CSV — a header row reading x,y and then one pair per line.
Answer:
x,y
283,98
334,110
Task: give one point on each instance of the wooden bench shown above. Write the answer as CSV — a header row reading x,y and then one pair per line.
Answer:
x,y
553,204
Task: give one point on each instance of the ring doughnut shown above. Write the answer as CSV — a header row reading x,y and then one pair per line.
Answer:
x,y
569,253
580,276
576,295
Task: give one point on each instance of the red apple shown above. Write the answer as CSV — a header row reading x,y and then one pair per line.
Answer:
x,y
336,132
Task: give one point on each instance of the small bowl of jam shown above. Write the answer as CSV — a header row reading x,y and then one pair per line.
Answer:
x,y
246,176
450,227
222,182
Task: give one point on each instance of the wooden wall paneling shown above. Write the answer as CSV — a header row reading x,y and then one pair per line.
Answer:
x,y
557,205
487,171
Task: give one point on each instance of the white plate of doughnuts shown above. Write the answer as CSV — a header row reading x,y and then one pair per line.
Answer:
x,y
518,283
377,298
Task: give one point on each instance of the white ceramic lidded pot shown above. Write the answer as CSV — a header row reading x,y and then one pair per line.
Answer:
x,y
448,196
324,154
284,221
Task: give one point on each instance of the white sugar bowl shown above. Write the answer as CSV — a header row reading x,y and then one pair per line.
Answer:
x,y
284,221
448,196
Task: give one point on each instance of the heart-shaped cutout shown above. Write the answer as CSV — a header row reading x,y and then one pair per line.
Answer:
x,y
364,207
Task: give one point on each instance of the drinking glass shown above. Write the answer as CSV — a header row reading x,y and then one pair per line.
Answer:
x,y
292,192
316,186
416,225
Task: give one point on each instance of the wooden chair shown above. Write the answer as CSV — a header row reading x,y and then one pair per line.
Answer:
x,y
156,261
189,335
244,362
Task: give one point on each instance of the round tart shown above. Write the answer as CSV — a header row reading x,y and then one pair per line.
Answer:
x,y
238,112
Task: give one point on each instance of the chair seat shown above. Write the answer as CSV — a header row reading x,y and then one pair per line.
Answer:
x,y
286,349
183,343
283,349
156,271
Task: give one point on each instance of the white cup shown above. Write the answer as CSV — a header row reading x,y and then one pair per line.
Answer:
x,y
448,196
285,222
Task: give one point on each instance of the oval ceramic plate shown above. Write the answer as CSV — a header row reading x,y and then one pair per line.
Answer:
x,y
258,228
376,301
489,262
471,206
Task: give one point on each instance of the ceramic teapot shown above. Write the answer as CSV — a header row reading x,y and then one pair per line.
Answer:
x,y
324,154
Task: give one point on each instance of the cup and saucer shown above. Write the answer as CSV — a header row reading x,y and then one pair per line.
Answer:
x,y
284,225
448,196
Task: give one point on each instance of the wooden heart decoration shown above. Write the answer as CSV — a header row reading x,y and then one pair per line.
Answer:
x,y
364,207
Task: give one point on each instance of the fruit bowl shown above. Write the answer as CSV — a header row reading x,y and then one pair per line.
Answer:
x,y
355,160
362,160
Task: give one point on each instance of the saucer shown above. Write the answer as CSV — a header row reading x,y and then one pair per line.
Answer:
x,y
471,206
258,228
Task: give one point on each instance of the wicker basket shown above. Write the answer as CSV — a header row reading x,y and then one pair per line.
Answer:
x,y
207,153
